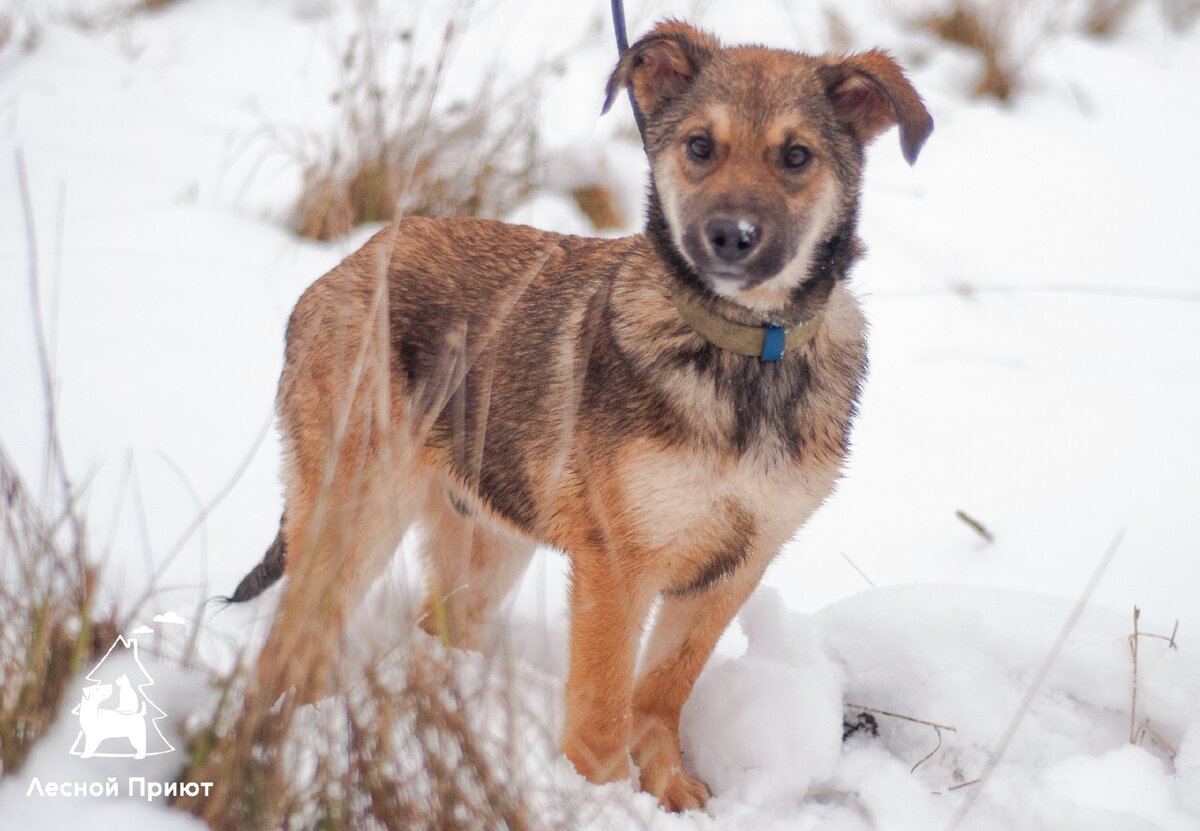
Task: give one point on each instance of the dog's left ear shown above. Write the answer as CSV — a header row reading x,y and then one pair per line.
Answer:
x,y
661,66
869,93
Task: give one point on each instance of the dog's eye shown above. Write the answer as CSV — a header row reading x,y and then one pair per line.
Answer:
x,y
699,148
797,157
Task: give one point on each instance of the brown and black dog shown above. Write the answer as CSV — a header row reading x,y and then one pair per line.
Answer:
x,y
667,408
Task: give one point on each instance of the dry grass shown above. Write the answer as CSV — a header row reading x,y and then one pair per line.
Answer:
x,y
396,750
52,626
20,28
48,604
839,33
1103,18
985,28
397,154
1181,15
599,205
1139,732
404,755
399,750
290,746
1006,34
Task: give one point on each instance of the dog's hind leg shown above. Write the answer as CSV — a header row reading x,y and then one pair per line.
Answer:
x,y
339,536
473,563
352,486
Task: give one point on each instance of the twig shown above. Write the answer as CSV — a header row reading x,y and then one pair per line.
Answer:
x,y
976,525
1144,729
964,785
937,728
1170,639
53,461
200,519
1047,664
913,719
930,754
1133,650
1136,731
861,573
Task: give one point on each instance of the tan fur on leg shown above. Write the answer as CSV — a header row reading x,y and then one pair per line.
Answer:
x,y
684,635
473,563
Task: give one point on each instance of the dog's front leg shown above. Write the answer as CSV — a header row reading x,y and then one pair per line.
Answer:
x,y
687,629
608,607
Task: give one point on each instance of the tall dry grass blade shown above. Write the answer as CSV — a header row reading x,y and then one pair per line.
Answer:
x,y
47,585
1027,700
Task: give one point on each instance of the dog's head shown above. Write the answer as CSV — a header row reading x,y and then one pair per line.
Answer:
x,y
756,153
97,692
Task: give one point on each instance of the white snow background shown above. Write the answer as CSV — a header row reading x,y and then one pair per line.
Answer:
x,y
1033,286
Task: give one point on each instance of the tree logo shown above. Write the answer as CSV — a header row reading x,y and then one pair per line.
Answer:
x,y
116,717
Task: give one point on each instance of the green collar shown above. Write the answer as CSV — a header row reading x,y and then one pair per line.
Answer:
x,y
767,343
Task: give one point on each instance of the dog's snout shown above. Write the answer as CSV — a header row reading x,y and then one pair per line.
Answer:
x,y
733,240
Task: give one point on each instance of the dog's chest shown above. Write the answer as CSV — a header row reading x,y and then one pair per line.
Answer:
x,y
694,505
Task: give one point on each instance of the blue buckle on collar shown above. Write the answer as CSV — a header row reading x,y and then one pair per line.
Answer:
x,y
774,338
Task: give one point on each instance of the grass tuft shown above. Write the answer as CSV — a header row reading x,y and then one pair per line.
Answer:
x,y
982,28
52,627
397,750
1103,18
396,154
599,205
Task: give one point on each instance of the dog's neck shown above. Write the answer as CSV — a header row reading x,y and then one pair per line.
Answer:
x,y
831,262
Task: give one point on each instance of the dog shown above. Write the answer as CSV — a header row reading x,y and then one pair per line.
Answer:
x,y
667,408
98,724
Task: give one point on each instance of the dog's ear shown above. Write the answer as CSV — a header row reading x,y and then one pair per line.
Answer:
x,y
870,93
661,65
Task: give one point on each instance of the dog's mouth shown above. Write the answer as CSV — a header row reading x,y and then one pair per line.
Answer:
x,y
727,282
733,255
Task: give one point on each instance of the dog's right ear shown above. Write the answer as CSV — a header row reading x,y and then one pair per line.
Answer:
x,y
661,66
870,93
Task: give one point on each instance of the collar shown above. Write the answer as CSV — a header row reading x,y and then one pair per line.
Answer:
x,y
767,343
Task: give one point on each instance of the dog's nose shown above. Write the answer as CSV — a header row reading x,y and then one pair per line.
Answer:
x,y
733,239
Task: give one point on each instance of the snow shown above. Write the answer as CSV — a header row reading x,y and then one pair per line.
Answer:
x,y
1035,308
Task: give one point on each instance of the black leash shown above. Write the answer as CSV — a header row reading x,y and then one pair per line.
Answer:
x,y
618,13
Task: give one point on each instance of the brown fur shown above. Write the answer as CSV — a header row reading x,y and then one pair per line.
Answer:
x,y
502,385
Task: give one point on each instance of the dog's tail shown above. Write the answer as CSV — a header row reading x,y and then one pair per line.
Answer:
x,y
263,575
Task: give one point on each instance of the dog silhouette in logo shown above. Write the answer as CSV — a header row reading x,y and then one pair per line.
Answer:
x,y
127,721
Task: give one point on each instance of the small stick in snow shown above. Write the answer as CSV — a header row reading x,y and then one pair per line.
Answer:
x,y
1144,729
1133,648
964,785
938,728
928,755
890,714
976,525
1031,691
1138,732
861,573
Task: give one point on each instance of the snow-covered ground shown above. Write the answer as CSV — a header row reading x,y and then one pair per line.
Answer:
x,y
1033,285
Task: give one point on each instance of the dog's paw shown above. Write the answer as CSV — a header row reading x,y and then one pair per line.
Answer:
x,y
597,766
677,790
